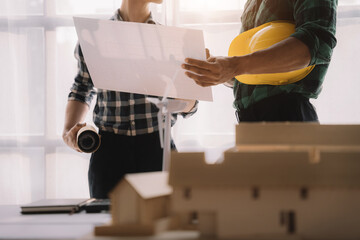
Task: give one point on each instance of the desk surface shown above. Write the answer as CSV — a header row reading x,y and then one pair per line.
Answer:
x,y
14,225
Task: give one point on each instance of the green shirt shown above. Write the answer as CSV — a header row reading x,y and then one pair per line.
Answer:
x,y
315,22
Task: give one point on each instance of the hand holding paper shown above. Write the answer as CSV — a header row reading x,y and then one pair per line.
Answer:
x,y
213,71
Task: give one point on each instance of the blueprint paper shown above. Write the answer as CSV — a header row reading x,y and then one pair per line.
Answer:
x,y
141,58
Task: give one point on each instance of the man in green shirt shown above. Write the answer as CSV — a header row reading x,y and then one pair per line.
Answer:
x,y
311,44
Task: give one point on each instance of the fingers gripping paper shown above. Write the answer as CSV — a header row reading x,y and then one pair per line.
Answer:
x,y
141,58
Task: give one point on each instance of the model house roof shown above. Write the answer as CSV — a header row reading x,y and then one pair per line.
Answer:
x,y
278,155
149,185
295,133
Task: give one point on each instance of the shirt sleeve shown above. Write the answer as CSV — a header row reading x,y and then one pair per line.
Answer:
x,y
83,88
316,26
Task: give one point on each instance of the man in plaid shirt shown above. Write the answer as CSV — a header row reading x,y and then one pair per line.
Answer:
x,y
127,122
311,44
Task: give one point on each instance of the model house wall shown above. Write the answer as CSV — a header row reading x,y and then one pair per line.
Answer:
x,y
271,188
280,203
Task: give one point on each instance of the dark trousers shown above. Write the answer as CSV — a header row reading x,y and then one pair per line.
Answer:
x,y
290,107
119,155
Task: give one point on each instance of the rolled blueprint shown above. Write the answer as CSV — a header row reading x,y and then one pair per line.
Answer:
x,y
88,139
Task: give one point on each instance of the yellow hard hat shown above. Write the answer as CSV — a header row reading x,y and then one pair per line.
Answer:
x,y
260,38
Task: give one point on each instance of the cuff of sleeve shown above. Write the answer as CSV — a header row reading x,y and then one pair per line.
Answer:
x,y
76,97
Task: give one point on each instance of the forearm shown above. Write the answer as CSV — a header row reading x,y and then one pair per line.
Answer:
x,y
75,112
288,55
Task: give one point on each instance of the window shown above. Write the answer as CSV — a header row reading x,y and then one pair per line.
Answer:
x,y
37,39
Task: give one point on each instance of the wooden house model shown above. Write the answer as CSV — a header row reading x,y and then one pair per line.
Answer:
x,y
140,205
280,181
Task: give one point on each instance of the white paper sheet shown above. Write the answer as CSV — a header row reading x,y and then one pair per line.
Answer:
x,y
141,58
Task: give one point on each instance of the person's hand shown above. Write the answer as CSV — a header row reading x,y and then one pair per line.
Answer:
x,y
213,71
70,137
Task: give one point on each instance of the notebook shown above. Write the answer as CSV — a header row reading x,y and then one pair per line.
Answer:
x,y
56,206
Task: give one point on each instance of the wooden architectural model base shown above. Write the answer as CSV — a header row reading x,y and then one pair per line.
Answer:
x,y
124,230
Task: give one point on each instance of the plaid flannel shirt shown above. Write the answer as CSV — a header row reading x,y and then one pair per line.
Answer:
x,y
315,22
119,112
